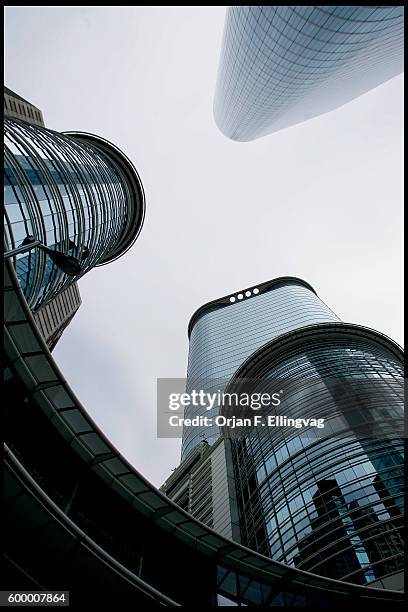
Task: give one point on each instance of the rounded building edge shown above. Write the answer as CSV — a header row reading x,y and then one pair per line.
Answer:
x,y
234,135
277,348
137,208
262,288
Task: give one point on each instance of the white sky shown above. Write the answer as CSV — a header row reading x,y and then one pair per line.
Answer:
x,y
321,200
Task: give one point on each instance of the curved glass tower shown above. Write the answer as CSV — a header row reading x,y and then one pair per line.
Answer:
x,y
76,193
331,505
225,332
281,65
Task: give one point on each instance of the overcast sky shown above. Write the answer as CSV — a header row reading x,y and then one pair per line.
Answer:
x,y
321,200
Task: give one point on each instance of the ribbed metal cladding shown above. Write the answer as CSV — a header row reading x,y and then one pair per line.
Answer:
x,y
227,332
75,192
55,315
281,65
332,506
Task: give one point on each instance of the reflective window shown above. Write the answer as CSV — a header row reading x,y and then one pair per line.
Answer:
x,y
67,194
280,65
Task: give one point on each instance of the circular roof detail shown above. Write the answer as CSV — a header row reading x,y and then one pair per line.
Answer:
x,y
252,291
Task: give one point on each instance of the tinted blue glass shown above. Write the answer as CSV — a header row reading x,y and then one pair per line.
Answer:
x,y
222,339
332,506
281,65
67,194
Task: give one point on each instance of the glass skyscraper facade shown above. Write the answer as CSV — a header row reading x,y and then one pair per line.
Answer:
x,y
281,65
54,316
76,193
333,504
224,333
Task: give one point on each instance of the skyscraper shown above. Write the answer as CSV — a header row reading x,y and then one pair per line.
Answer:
x,y
315,502
331,505
53,317
17,107
77,194
225,332
281,65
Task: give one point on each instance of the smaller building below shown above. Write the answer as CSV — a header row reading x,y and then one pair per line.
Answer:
x,y
54,316
16,107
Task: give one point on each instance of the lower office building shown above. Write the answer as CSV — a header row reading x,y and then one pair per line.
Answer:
x,y
204,486
53,317
16,107
329,504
